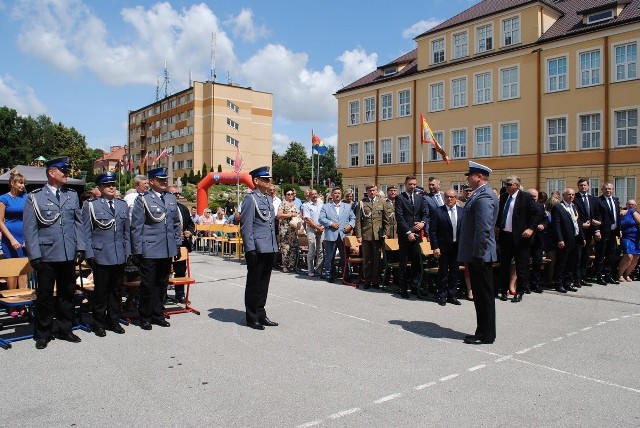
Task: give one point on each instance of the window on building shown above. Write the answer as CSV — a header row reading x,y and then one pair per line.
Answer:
x,y
353,154
404,103
483,142
404,150
189,147
232,141
172,103
459,92
157,109
509,83
458,186
590,135
600,16
590,68
233,124
385,151
557,74
165,121
189,163
180,164
626,128
483,88
460,45
594,187
165,106
386,107
354,112
178,148
230,162
511,31
557,134
369,110
626,61
369,153
509,139
190,96
182,116
190,113
624,188
556,185
233,107
190,130
459,144
484,37
433,155
436,95
437,51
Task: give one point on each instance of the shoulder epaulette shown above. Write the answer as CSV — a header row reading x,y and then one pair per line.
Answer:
x,y
36,190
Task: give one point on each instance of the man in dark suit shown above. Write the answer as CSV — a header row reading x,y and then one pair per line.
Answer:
x,y
587,206
477,248
444,231
188,229
537,245
258,229
518,218
412,217
606,263
567,232
435,198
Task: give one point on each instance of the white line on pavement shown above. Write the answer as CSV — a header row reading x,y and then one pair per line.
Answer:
x,y
388,398
345,413
474,368
451,376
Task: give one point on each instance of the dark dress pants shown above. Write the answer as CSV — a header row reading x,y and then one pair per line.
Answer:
x,y
481,275
154,279
371,252
179,270
258,277
107,295
536,251
409,250
330,248
448,272
605,256
566,263
584,253
520,253
63,275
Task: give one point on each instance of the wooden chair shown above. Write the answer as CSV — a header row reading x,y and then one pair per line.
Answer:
x,y
426,271
187,281
216,238
17,297
350,260
390,261
231,236
204,238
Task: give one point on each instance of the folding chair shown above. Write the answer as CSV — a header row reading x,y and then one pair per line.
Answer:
x,y
390,261
301,252
350,261
427,271
216,237
231,236
17,297
187,281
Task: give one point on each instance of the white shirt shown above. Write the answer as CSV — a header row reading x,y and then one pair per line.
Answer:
x,y
276,203
453,216
508,227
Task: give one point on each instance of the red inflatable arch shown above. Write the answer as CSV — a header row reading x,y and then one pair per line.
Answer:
x,y
202,200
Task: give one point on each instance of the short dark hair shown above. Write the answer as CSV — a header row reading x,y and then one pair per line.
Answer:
x,y
582,180
410,177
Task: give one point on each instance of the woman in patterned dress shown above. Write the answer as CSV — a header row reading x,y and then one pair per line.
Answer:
x,y
288,230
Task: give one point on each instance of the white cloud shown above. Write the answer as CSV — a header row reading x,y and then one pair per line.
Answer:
x,y
20,97
281,142
244,27
420,27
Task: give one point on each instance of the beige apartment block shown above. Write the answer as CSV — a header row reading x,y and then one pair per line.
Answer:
x,y
203,124
547,90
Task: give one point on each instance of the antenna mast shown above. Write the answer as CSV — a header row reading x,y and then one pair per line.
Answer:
x,y
213,57
167,81
158,88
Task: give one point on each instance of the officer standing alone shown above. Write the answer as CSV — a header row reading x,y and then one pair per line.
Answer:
x,y
106,228
257,223
156,238
55,243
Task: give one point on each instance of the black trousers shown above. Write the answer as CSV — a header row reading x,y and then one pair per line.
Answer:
x,y
448,272
536,250
154,279
107,295
257,287
566,264
64,276
520,253
584,253
409,250
481,275
606,256
179,269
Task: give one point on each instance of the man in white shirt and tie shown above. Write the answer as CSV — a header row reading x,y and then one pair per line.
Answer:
x,y
609,231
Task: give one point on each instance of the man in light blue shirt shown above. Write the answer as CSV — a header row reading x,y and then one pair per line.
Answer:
x,y
311,216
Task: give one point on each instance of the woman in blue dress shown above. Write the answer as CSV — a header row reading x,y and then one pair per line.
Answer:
x,y
630,241
11,209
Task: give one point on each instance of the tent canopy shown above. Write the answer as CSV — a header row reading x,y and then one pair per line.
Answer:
x,y
40,158
36,176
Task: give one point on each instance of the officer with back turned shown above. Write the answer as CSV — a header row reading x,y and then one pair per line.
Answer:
x,y
156,237
55,243
257,223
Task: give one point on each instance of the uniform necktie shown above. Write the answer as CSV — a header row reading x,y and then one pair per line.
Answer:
x,y
58,195
113,210
613,212
439,199
454,221
162,197
503,224
411,198
585,199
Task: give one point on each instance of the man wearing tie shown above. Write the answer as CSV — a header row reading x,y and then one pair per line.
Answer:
x,y
587,206
567,231
412,217
444,232
435,198
391,228
369,231
477,247
606,238
338,220
518,218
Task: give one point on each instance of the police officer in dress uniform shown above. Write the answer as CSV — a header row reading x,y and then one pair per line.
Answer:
x,y
106,229
259,237
156,237
55,243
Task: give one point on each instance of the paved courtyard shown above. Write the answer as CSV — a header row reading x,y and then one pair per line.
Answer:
x,y
341,357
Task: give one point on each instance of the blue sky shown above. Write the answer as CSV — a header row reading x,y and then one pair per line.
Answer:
x,y
86,63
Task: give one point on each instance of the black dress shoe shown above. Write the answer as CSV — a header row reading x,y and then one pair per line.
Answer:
x,y
41,343
117,329
266,321
612,280
453,301
331,280
146,325
99,331
527,291
404,294
366,286
584,283
503,297
255,325
601,281
161,323
576,284
560,289
477,340
442,301
181,299
69,337
517,298
537,290
570,288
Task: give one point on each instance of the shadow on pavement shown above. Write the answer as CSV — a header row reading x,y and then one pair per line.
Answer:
x,y
228,315
428,329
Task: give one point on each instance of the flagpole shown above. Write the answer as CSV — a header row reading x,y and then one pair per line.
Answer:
x,y
422,163
312,158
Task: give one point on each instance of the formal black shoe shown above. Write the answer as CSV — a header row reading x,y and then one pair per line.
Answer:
x,y
454,301
527,291
612,280
181,299
161,323
477,340
576,285
537,290
255,325
117,329
561,289
601,281
404,294
266,321
503,297
99,331
584,283
69,337
331,280
442,301
366,286
146,325
570,288
517,298
41,343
